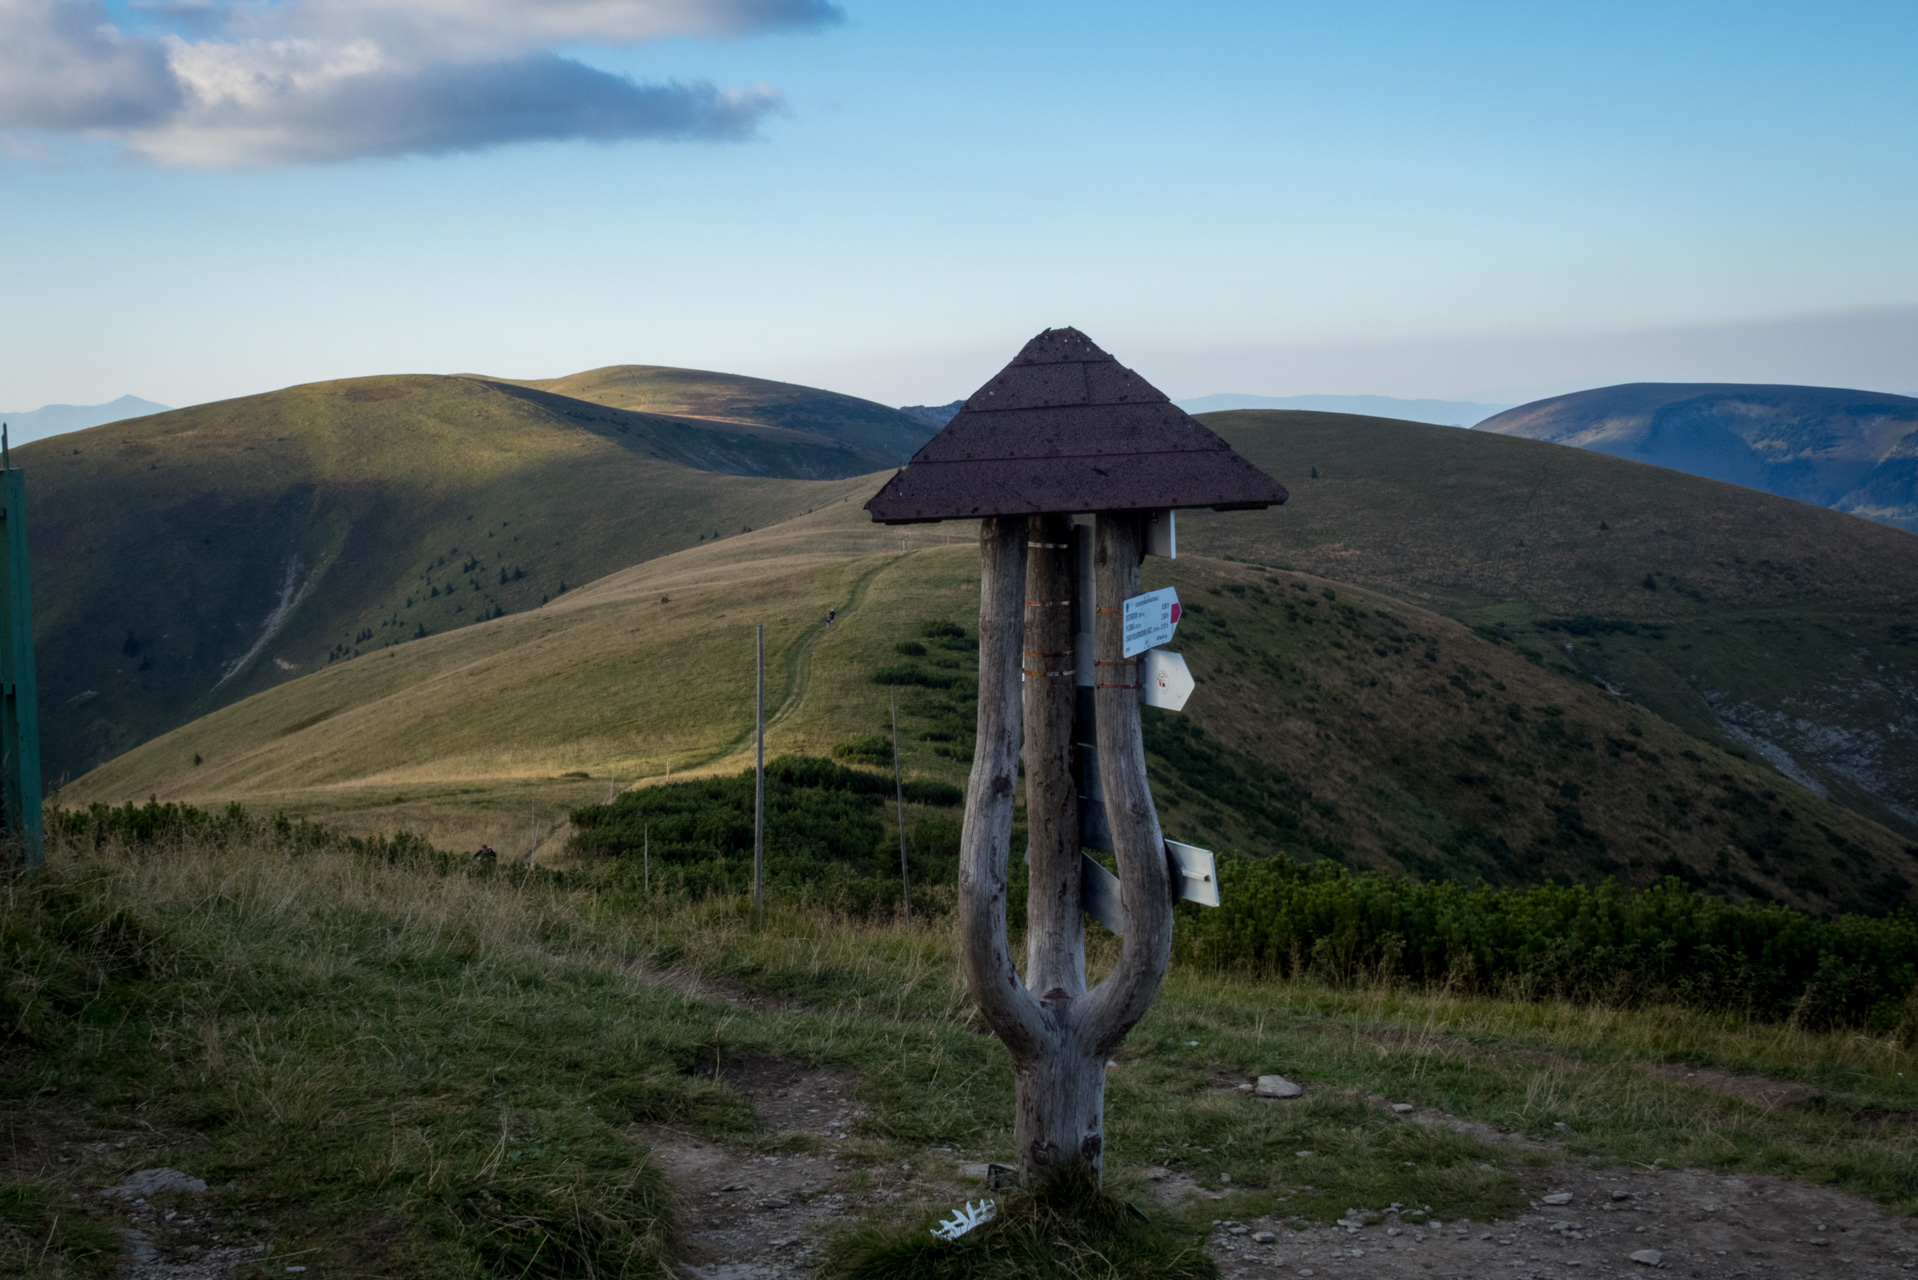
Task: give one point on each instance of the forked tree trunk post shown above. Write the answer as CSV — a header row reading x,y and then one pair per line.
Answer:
x,y
1058,1033
1062,428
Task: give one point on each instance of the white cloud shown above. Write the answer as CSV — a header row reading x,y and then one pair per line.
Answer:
x,y
64,66
313,81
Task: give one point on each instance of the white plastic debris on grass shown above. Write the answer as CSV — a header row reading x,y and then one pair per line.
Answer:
x,y
964,1220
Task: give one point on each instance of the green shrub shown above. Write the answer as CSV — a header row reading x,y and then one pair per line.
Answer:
x,y
874,748
1590,943
909,675
910,649
824,833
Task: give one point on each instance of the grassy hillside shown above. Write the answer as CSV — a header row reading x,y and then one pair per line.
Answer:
x,y
387,1067
1341,725
183,560
1855,451
885,435
1777,628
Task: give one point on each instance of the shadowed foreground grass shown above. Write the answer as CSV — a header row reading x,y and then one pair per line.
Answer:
x,y
412,1067
1070,1231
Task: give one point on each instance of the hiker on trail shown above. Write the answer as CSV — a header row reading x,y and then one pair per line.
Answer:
x,y
830,615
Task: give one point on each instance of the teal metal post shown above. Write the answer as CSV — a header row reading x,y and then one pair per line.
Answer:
x,y
19,703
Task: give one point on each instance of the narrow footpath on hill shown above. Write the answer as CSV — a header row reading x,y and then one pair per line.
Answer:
x,y
796,667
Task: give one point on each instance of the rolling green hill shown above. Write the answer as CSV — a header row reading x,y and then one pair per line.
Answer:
x,y
1853,451
1766,625
1330,722
884,436
184,560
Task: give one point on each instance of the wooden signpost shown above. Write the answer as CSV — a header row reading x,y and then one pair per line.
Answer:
x,y
1066,429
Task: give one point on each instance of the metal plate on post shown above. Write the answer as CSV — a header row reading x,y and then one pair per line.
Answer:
x,y
1094,832
1162,534
1164,680
1099,892
1198,873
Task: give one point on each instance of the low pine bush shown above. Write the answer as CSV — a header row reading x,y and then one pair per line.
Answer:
x,y
824,834
1600,944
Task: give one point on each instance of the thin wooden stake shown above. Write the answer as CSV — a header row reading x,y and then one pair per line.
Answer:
x,y
899,790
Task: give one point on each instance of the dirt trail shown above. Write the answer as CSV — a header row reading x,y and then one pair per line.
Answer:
x,y
1615,1222
798,670
761,1210
759,1215
750,1215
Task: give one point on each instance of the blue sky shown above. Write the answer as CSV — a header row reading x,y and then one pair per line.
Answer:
x,y
1466,201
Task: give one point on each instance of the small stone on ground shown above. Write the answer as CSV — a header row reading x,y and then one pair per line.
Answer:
x,y
1277,1087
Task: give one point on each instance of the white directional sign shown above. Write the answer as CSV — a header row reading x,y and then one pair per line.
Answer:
x,y
1164,680
1198,873
1150,620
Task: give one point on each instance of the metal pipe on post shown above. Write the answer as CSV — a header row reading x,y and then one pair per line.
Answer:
x,y
759,784
899,792
20,820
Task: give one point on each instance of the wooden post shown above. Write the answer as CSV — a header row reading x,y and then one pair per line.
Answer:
x,y
899,793
1055,925
759,783
986,836
1145,874
1065,428
1058,1033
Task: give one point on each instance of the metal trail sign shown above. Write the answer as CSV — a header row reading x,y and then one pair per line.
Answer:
x,y
1164,680
1150,620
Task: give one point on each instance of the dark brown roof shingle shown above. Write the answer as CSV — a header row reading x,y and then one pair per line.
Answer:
x,y
1065,427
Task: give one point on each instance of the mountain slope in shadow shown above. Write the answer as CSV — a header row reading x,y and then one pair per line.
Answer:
x,y
1854,451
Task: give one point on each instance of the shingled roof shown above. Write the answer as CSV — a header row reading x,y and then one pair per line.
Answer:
x,y
1066,428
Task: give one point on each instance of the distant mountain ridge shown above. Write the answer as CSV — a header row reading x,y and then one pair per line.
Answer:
x,y
185,560
53,419
936,414
1852,451
1777,627
1443,413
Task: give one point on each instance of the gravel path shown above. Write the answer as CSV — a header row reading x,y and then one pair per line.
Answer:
x,y
1611,1222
